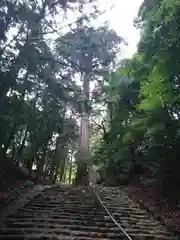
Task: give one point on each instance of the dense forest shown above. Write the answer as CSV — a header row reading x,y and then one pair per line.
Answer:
x,y
143,93
50,52
67,101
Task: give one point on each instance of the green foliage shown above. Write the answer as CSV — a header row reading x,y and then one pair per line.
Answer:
x,y
143,129
40,99
156,91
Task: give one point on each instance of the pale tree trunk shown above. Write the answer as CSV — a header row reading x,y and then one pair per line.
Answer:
x,y
33,143
56,160
46,161
22,144
9,140
34,150
70,168
83,151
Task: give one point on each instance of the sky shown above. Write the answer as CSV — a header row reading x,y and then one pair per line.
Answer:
x,y
121,18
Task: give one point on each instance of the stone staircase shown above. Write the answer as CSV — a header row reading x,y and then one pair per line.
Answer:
x,y
64,212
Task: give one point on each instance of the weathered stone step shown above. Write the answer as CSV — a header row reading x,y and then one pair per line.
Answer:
x,y
70,217
83,206
57,217
61,212
150,237
66,208
79,227
51,227
67,232
40,236
66,213
131,215
41,222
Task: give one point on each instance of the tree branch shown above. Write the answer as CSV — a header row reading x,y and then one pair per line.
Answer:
x,y
101,126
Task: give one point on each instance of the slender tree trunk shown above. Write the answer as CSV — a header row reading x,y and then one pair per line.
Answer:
x,y
56,174
13,151
35,142
34,153
60,162
41,164
110,112
47,162
63,166
29,165
11,136
22,144
55,161
61,158
64,173
70,169
57,168
51,176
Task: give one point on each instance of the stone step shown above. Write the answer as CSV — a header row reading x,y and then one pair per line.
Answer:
x,y
85,228
57,216
40,236
53,222
66,232
66,213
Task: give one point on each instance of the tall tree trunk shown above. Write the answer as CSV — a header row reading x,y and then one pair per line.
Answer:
x,y
64,173
22,144
47,162
83,151
51,176
63,166
14,152
34,153
70,169
56,174
41,164
61,156
56,161
11,136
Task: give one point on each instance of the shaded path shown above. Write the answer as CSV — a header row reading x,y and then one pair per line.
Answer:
x,y
63,212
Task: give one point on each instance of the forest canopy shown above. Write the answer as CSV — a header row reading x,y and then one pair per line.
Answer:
x,y
143,130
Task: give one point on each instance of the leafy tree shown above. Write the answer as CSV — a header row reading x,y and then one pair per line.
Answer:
x,y
143,129
89,52
34,87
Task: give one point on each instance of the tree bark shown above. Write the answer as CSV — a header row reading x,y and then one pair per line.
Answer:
x,y
22,144
83,152
51,176
55,162
70,170
34,154
11,136
63,167
41,164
